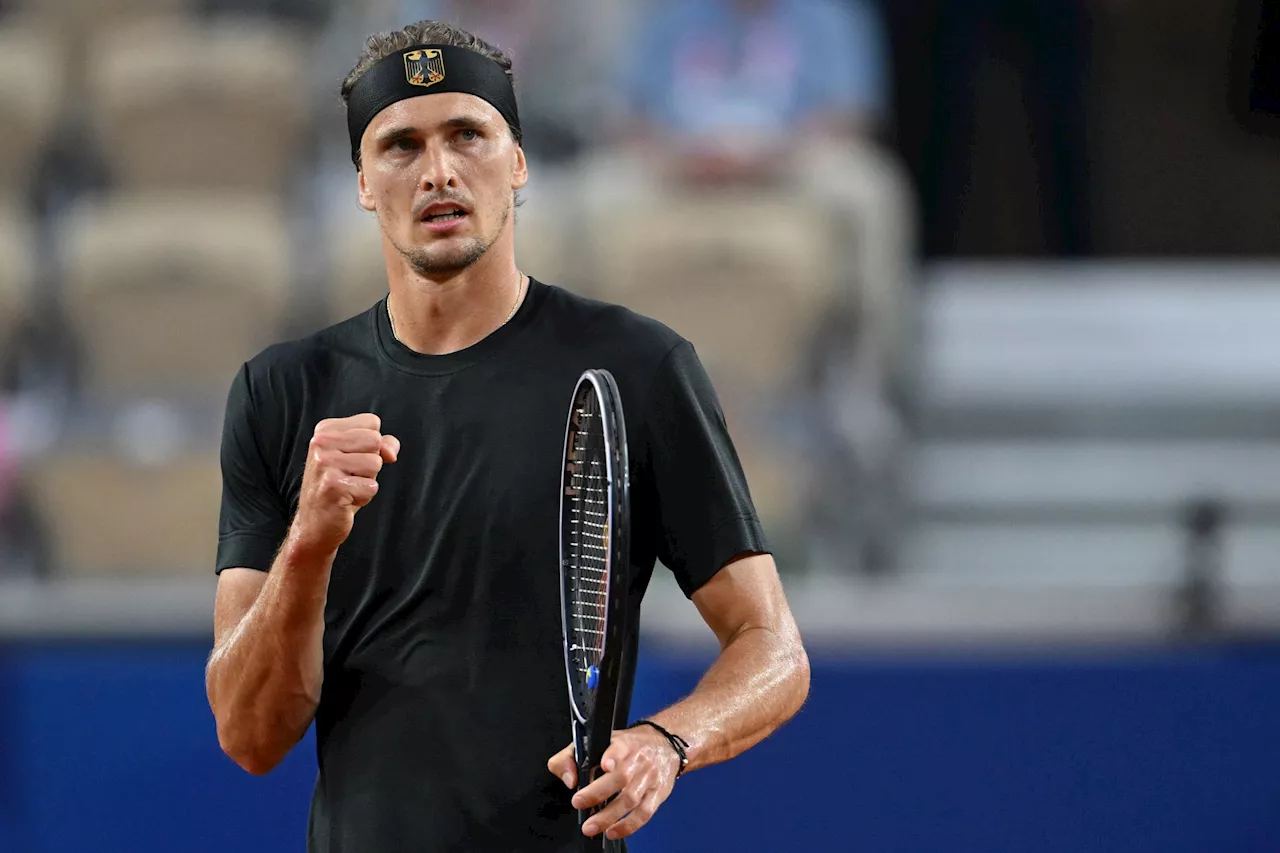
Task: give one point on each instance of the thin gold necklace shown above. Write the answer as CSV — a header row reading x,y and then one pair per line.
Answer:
x,y
524,283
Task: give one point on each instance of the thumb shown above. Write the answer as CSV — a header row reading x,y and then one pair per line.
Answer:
x,y
390,448
562,764
618,750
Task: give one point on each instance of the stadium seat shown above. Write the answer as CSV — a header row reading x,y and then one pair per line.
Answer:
x,y
170,293
108,514
744,277
17,269
32,74
186,105
358,276
75,22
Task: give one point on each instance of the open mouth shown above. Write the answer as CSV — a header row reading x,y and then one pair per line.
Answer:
x,y
443,213
445,216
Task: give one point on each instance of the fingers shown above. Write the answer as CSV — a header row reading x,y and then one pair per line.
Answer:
x,y
562,765
349,441
361,490
630,797
362,421
344,489
353,445
617,752
357,434
351,464
600,790
639,816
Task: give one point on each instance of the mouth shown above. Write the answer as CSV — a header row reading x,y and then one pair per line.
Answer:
x,y
443,213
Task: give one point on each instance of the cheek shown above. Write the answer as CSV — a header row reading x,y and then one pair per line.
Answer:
x,y
394,194
496,182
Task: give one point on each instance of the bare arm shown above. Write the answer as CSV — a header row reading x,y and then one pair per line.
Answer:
x,y
761,676
757,682
264,677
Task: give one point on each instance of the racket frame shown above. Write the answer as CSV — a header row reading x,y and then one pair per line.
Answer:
x,y
592,733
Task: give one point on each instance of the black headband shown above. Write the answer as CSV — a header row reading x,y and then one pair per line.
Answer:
x,y
428,69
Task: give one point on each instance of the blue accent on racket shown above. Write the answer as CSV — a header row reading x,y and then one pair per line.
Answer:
x,y
593,677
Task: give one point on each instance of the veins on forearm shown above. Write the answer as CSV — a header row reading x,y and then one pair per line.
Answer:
x,y
755,684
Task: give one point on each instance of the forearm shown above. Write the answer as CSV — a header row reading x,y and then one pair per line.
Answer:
x,y
264,677
758,682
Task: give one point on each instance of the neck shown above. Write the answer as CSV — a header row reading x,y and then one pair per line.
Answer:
x,y
437,315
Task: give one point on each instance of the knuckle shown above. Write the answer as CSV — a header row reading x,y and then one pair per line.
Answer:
x,y
629,799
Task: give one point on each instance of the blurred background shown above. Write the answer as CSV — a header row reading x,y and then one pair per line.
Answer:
x,y
990,290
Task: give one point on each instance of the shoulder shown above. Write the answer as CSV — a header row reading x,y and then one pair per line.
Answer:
x,y
282,373
595,322
285,364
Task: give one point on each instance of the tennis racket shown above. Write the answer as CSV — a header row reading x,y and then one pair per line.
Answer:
x,y
594,576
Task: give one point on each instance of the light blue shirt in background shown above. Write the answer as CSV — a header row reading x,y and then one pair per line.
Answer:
x,y
704,67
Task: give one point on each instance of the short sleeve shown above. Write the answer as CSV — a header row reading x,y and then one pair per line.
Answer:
x,y
705,510
253,521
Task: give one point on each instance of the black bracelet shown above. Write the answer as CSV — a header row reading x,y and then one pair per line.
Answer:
x,y
678,743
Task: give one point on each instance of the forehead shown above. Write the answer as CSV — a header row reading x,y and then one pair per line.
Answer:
x,y
427,111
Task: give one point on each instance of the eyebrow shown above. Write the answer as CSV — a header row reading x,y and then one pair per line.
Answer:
x,y
467,122
394,134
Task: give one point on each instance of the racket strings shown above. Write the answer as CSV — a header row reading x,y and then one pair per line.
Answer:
x,y
588,542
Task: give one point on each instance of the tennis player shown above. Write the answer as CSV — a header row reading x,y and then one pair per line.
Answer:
x,y
388,546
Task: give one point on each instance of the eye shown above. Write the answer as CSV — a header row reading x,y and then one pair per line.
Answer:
x,y
468,135
404,143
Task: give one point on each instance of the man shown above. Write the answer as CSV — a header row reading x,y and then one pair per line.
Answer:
x,y
388,545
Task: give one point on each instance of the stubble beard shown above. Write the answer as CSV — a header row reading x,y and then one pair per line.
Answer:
x,y
440,260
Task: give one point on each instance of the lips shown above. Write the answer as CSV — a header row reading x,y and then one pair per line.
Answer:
x,y
443,211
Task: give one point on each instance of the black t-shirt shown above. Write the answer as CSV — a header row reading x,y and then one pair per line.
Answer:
x,y
444,679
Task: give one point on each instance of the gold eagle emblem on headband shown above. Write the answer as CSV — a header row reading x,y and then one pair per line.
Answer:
x,y
424,67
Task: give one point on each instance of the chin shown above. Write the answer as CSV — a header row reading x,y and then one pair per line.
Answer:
x,y
436,259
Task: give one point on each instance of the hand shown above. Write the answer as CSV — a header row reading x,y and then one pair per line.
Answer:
x,y
639,766
343,461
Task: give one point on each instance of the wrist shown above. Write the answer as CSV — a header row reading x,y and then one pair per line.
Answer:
x,y
303,550
675,745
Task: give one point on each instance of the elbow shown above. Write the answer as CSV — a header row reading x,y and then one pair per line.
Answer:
x,y
247,754
799,678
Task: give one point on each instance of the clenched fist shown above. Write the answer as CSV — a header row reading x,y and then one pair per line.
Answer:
x,y
341,476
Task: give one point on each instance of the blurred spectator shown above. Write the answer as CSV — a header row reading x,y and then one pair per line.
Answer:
x,y
8,464
722,89
788,95
790,98
23,545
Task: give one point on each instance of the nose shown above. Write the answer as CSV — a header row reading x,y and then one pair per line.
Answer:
x,y
438,171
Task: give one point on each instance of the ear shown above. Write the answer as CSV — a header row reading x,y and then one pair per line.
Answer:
x,y
520,176
366,197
